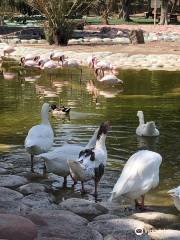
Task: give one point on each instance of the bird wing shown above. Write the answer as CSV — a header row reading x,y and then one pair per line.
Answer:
x,y
140,171
40,135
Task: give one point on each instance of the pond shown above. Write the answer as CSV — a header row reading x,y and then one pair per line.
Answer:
x,y
156,93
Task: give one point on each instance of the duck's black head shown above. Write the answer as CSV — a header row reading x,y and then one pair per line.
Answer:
x,y
103,129
53,107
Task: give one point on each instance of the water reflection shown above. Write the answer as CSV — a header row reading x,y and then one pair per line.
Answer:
x,y
91,104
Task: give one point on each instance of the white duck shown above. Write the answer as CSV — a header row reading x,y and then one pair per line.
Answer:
x,y
139,175
56,160
40,137
175,193
92,161
146,129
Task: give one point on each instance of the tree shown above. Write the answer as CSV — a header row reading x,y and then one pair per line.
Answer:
x,y
164,12
59,14
105,7
125,9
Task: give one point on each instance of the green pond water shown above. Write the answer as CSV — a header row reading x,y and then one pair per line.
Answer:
x,y
156,93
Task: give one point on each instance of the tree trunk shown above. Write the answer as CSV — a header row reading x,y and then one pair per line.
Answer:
x,y
164,12
149,9
1,21
105,17
125,9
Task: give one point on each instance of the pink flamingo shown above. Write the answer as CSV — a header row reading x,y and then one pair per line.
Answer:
x,y
8,50
108,78
57,56
29,63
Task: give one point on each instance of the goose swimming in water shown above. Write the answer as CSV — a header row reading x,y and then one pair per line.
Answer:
x,y
92,161
59,110
40,137
175,193
139,175
56,160
146,129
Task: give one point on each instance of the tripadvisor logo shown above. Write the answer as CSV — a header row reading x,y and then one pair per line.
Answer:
x,y
139,231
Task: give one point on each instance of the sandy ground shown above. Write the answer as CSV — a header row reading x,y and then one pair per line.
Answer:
x,y
157,47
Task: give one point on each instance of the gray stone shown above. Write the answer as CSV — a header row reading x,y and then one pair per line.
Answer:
x,y
165,235
83,207
37,201
3,171
12,207
64,225
118,226
7,194
32,188
13,227
127,236
105,217
12,181
156,219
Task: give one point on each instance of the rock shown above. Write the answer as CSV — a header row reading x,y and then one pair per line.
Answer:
x,y
13,227
7,194
127,236
165,235
37,201
33,41
136,36
156,219
105,216
12,181
12,207
32,188
3,171
118,226
83,207
65,225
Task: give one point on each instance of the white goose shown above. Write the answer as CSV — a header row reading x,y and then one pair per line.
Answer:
x,y
175,193
139,175
40,137
56,160
146,129
92,161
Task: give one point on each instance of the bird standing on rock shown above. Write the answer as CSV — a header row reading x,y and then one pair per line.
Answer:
x,y
139,175
92,161
40,137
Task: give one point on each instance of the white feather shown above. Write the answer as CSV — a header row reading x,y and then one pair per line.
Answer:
x,y
139,175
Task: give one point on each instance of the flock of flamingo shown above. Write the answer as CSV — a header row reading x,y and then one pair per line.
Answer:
x,y
141,171
104,71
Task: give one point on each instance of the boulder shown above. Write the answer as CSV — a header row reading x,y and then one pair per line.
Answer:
x,y
136,36
13,227
37,201
165,235
12,181
84,208
156,219
119,226
65,225
105,217
7,194
32,188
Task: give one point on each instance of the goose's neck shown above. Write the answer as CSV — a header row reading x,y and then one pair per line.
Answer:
x,y
45,118
100,143
92,141
141,119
